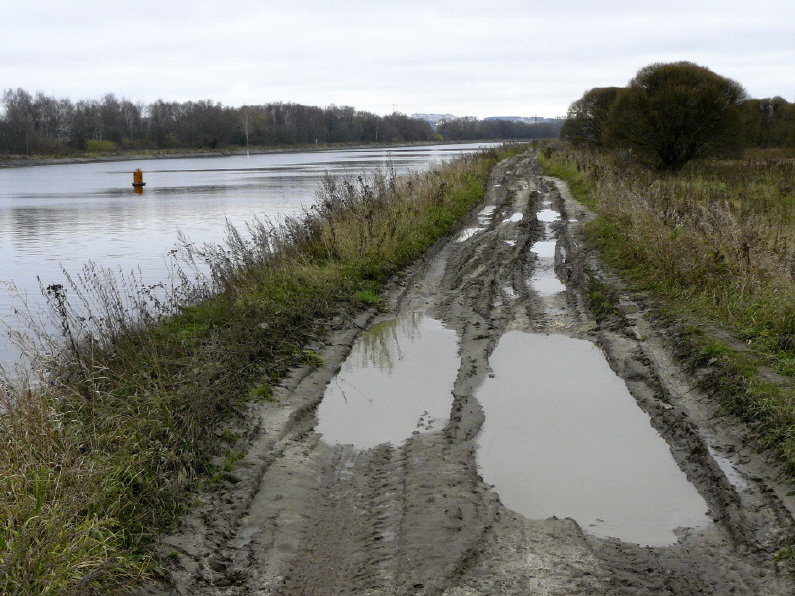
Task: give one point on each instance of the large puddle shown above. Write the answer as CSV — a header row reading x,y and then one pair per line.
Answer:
x,y
564,437
398,379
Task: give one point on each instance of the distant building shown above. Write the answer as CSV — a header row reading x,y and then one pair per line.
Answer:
x,y
434,119
525,119
437,119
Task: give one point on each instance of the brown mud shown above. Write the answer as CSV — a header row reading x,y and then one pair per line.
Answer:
x,y
298,516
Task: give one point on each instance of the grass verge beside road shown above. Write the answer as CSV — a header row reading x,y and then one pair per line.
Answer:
x,y
99,451
716,242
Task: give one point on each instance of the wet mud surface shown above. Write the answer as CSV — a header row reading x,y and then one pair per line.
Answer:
x,y
307,512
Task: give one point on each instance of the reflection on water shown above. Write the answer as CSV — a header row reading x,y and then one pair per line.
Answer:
x,y
74,213
397,379
544,249
563,436
548,215
544,280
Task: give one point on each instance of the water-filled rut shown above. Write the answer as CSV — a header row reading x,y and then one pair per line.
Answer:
x,y
396,381
563,437
562,434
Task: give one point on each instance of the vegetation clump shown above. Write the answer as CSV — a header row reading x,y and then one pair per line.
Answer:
x,y
98,449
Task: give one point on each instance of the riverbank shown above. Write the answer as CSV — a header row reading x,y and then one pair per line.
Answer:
x,y
97,455
21,162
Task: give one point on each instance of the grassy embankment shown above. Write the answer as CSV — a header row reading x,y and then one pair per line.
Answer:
x,y
717,243
96,455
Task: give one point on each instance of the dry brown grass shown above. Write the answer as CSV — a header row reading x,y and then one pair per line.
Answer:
x,y
716,242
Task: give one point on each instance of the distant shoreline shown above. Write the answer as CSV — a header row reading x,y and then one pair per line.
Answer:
x,y
50,161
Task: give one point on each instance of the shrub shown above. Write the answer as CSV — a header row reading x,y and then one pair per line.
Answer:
x,y
95,146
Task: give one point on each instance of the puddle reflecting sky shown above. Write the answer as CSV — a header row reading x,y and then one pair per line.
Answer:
x,y
398,378
467,233
544,249
544,280
485,214
514,218
548,215
564,437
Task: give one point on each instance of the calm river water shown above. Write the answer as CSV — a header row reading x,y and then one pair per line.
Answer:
x,y
67,215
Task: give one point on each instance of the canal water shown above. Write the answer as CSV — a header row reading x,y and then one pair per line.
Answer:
x,y
67,215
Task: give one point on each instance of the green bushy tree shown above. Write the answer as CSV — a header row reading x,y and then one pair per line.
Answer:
x,y
587,117
672,113
668,114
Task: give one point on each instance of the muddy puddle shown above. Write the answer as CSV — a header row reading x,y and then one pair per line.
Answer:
x,y
397,380
544,280
484,218
734,477
563,437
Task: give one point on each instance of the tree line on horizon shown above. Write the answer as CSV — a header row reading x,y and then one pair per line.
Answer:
x,y
494,128
43,125
671,113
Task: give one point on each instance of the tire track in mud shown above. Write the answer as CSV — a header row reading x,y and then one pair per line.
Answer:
x,y
357,509
299,516
734,555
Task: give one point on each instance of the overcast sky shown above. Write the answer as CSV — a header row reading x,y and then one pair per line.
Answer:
x,y
469,58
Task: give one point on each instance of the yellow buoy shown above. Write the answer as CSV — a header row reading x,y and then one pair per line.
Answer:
x,y
138,179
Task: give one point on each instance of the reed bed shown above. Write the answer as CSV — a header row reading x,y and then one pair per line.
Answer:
x,y
716,242
119,415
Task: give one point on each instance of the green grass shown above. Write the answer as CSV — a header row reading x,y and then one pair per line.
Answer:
x,y
578,184
715,243
601,299
127,414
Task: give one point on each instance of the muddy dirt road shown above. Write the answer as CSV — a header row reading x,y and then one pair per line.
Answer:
x,y
303,513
